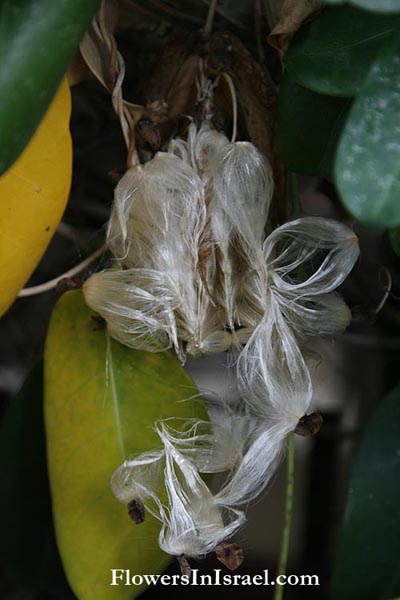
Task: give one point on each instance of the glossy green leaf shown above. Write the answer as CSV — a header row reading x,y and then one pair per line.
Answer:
x,y
394,236
332,54
379,6
101,402
367,169
38,39
367,563
309,126
28,550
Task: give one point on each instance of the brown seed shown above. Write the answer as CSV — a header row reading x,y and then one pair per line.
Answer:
x,y
184,565
68,283
136,511
230,554
309,425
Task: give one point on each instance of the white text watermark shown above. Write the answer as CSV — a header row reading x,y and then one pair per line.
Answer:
x,y
125,577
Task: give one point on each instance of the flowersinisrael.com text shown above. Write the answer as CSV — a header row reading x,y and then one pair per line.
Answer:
x,y
125,577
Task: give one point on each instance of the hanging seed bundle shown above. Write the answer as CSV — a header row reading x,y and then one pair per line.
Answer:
x,y
193,270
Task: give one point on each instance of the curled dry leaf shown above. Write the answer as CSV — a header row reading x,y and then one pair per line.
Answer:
x,y
292,15
98,46
100,52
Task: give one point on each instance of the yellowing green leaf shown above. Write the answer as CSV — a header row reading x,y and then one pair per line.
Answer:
x,y
101,402
33,195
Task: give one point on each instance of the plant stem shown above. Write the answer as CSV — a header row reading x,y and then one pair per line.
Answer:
x,y
210,19
288,515
50,285
273,12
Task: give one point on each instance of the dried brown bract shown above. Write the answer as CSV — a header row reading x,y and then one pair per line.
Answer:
x,y
136,511
186,569
309,425
230,554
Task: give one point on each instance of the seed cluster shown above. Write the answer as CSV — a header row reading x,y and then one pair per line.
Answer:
x,y
194,271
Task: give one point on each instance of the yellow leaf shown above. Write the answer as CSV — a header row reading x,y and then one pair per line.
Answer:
x,y
33,196
101,402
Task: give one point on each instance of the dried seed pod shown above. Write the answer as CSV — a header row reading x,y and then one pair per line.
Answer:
x,y
174,79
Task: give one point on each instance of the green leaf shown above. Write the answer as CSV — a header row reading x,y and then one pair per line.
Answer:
x,y
101,402
367,564
394,236
38,39
367,169
383,6
332,54
28,547
378,5
309,126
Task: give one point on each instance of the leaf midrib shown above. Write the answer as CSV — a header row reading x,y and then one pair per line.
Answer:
x,y
114,395
333,50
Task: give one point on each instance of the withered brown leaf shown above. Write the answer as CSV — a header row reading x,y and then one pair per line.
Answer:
x,y
292,15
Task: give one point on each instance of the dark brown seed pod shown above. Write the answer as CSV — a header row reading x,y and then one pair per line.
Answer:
x,y
309,425
136,511
230,554
184,565
173,82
